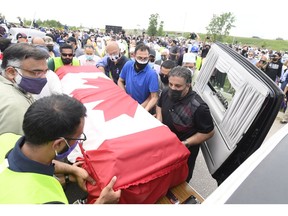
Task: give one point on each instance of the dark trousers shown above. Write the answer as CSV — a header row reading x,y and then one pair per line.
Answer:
x,y
194,150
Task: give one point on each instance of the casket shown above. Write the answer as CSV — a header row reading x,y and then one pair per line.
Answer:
x,y
123,140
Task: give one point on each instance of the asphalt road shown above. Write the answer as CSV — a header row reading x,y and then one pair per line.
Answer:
x,y
203,182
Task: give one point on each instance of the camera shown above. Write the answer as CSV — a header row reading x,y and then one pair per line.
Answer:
x,y
193,36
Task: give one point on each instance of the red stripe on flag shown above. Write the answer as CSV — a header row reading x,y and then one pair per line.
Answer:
x,y
137,160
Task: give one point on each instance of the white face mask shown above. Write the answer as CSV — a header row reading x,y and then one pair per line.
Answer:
x,y
114,58
191,70
142,62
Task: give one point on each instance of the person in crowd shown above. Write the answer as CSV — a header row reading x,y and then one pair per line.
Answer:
x,y
62,38
204,52
77,50
100,47
56,46
274,68
4,44
174,51
113,62
139,80
262,63
180,59
165,68
131,53
244,51
50,46
67,58
164,56
152,56
24,69
89,57
189,61
77,36
185,113
251,57
53,85
21,38
284,75
53,126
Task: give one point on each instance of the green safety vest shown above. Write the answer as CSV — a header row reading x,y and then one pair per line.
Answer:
x,y
24,187
58,63
198,62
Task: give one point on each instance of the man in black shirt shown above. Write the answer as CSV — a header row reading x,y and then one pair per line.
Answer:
x,y
274,68
185,113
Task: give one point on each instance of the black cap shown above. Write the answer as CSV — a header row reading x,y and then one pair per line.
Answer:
x,y
72,39
152,52
21,35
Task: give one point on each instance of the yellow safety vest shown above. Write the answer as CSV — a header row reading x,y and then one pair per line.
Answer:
x,y
25,187
58,63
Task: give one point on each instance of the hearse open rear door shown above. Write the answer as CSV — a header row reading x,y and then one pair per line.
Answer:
x,y
244,103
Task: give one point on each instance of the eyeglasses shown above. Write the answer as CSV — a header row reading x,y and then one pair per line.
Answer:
x,y
65,54
37,72
79,140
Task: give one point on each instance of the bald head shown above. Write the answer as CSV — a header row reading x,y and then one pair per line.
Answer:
x,y
263,58
38,41
112,48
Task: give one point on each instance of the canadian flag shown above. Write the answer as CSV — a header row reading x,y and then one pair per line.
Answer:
x,y
123,140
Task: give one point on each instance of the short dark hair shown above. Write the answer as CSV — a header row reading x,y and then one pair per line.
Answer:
x,y
169,64
51,117
66,46
142,47
183,72
20,52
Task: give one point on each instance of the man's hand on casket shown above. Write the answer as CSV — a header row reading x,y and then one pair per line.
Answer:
x,y
81,176
108,195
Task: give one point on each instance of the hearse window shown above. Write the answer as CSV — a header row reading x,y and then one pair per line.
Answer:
x,y
221,87
233,95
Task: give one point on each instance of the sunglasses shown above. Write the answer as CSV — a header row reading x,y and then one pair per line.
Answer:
x,y
65,55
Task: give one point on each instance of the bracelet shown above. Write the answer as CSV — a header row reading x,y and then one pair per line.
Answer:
x,y
67,180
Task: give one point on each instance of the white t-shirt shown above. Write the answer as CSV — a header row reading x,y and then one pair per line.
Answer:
x,y
53,85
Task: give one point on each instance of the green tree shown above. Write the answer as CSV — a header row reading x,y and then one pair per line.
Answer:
x,y
220,26
153,23
160,29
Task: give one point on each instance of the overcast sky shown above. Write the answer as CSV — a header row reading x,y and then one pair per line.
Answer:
x,y
253,18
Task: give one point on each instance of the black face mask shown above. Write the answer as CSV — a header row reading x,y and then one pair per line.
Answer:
x,y
50,48
138,66
164,79
274,59
66,61
175,95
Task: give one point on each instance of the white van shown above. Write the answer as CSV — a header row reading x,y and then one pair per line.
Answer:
x,y
28,31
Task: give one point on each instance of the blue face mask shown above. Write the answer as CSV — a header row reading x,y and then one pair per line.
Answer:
x,y
89,57
66,151
31,85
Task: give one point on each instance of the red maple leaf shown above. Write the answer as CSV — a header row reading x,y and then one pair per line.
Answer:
x,y
115,101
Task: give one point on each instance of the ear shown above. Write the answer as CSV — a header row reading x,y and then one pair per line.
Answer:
x,y
56,145
10,73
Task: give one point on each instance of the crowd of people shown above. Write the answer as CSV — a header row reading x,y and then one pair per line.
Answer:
x,y
42,125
